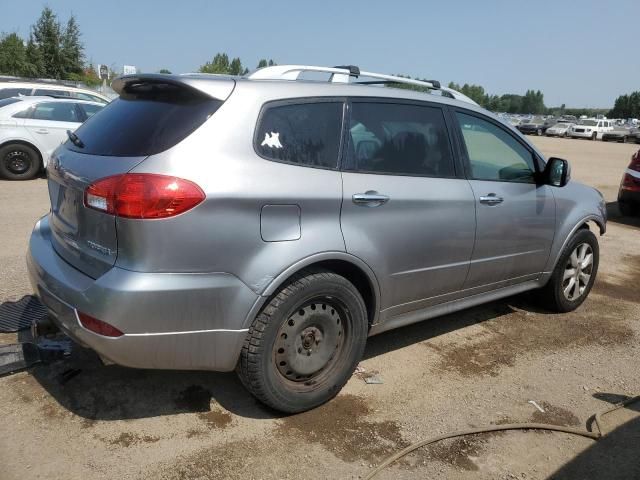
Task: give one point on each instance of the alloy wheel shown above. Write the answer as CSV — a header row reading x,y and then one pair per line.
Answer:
x,y
577,272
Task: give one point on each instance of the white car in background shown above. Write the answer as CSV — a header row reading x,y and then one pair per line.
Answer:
x,y
560,129
31,128
591,128
38,89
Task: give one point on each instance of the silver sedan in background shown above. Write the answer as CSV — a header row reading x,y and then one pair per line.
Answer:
x,y
559,129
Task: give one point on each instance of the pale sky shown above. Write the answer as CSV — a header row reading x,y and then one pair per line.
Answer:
x,y
581,53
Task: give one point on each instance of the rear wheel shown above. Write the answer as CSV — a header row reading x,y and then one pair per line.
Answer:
x,y
539,132
19,162
305,344
574,274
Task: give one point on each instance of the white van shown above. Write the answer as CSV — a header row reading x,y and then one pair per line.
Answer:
x,y
591,128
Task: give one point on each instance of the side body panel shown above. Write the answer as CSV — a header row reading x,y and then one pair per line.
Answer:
x,y
223,234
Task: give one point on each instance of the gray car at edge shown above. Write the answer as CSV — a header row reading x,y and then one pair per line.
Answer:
x,y
271,226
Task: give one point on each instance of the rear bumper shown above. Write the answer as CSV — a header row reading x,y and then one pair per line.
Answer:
x,y
169,320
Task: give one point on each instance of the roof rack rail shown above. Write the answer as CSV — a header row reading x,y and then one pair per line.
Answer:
x,y
344,73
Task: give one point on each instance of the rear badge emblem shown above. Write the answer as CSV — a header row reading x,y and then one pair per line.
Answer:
x,y
98,248
271,140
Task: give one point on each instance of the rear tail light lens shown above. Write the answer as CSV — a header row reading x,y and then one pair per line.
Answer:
x,y
98,326
143,195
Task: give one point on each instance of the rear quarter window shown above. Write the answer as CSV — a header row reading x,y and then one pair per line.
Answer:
x,y
147,119
303,133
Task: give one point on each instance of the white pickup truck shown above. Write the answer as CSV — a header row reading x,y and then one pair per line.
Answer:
x,y
590,128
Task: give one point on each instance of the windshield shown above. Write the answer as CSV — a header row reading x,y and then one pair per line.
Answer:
x,y
589,123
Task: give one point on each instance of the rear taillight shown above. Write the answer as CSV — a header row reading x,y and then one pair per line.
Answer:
x,y
98,326
143,195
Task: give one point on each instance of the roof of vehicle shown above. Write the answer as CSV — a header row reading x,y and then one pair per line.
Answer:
x,y
215,85
47,86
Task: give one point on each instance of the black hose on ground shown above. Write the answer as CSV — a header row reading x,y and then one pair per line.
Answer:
x,y
597,420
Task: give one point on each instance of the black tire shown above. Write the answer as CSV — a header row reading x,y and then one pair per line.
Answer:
x,y
552,295
539,132
19,162
594,136
627,209
310,313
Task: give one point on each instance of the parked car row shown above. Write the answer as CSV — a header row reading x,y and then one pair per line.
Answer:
x,y
31,128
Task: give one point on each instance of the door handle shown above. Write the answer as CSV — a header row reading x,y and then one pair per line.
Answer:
x,y
42,130
370,198
491,199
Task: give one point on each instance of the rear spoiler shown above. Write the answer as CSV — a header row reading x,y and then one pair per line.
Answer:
x,y
215,86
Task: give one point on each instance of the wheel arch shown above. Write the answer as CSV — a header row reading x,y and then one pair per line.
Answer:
x,y
584,223
349,266
26,143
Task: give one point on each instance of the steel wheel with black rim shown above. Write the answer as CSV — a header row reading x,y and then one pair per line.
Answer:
x,y
19,162
575,272
306,342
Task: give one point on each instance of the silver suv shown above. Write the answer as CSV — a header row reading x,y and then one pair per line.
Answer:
x,y
270,225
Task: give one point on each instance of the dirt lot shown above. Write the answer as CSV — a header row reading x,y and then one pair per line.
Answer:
x,y
475,368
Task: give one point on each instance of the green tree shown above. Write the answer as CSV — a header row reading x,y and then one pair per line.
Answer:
x,y
263,63
47,36
35,62
626,106
164,70
236,68
219,64
13,55
72,48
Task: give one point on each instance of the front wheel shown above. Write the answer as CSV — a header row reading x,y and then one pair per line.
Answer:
x,y
306,342
594,136
539,132
19,162
574,274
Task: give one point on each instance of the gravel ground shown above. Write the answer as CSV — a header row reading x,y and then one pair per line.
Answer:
x,y
475,368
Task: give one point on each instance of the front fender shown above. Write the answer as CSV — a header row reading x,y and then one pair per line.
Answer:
x,y
576,206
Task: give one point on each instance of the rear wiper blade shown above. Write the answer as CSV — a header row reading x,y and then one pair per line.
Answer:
x,y
75,139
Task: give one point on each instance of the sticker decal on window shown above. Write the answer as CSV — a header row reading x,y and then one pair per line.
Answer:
x,y
271,140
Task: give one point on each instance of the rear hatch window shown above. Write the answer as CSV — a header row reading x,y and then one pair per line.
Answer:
x,y
148,118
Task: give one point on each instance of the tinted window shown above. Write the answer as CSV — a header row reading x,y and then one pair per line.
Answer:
x,y
398,139
56,111
306,134
55,93
146,119
8,101
90,110
493,153
87,96
14,92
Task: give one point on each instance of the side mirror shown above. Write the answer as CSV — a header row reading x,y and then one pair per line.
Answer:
x,y
557,172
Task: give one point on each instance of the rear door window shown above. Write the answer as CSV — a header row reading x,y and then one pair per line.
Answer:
x,y
56,112
304,134
89,109
148,118
398,139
